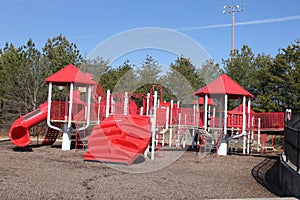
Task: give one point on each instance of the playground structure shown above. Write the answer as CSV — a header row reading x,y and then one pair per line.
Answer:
x,y
239,123
118,130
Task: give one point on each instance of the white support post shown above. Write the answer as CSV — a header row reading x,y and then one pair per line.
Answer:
x,y
225,114
205,113
70,105
125,111
147,106
66,141
99,109
258,134
183,143
171,124
153,127
244,125
107,104
222,150
141,110
249,134
49,103
49,108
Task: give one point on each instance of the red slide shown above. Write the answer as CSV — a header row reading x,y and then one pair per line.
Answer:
x,y
19,130
119,139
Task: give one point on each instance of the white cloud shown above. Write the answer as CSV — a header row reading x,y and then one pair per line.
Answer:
x,y
260,21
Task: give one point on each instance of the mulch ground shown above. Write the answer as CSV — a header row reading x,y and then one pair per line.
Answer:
x,y
49,173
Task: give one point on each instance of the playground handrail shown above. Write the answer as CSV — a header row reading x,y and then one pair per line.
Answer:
x,y
49,109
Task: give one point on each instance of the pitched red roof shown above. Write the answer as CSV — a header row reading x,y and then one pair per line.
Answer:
x,y
210,101
236,110
224,85
70,74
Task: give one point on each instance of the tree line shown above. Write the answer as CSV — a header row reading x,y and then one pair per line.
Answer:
x,y
274,81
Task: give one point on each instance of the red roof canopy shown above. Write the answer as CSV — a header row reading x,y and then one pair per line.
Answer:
x,y
70,74
224,85
209,102
236,110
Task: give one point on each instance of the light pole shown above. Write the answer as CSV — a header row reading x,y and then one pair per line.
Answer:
x,y
231,10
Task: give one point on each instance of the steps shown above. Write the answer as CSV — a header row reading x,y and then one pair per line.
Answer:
x,y
51,135
119,139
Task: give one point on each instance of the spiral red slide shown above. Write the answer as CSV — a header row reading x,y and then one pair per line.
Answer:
x,y
19,130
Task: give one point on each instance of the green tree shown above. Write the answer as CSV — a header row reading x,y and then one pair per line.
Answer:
x,y
24,82
12,71
111,76
285,78
261,88
241,67
97,67
185,67
147,74
182,80
35,75
209,71
59,52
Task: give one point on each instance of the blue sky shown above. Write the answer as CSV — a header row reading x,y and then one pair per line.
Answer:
x,y
264,25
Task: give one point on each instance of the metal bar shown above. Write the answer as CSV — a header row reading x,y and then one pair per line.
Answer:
x,y
49,108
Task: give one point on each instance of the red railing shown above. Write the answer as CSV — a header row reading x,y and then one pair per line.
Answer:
x,y
269,121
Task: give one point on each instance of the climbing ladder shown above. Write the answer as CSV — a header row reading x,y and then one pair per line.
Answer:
x,y
51,135
179,135
80,137
206,145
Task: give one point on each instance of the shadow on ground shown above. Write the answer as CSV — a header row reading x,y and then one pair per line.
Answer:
x,y
267,174
25,149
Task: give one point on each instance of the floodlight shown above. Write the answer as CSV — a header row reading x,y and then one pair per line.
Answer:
x,y
231,10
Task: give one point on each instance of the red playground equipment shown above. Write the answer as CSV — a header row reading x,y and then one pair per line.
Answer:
x,y
118,138
19,131
115,129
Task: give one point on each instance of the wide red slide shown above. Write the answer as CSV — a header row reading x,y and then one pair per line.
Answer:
x,y
119,139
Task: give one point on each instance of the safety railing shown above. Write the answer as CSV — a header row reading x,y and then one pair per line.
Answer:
x,y
271,120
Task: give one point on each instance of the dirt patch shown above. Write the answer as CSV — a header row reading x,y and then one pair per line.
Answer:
x,y
49,173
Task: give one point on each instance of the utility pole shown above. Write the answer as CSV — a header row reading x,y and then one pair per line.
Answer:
x,y
231,10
